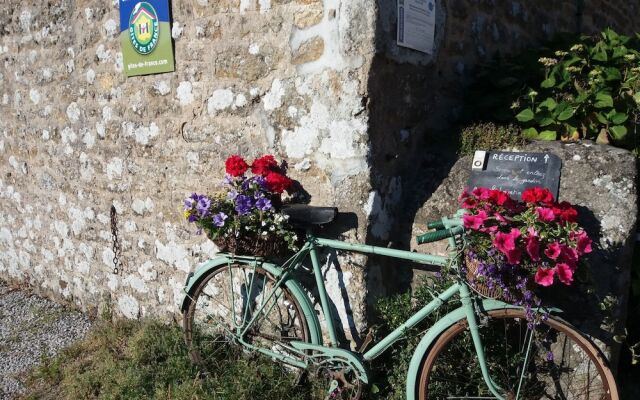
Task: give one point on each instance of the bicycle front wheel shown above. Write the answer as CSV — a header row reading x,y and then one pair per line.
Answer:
x,y
547,361
240,309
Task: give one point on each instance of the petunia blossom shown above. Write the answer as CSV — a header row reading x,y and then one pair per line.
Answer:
x,y
474,221
514,256
583,245
544,276
533,247
553,250
564,272
545,214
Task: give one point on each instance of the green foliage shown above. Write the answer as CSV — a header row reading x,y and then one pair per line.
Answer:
x,y
390,370
148,360
489,136
590,90
573,88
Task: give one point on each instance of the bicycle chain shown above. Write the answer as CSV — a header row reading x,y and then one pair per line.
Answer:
x,y
117,250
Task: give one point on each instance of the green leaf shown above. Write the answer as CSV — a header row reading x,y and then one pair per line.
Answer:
x,y
618,132
549,104
601,118
374,388
598,53
603,100
612,74
619,51
619,118
525,115
549,82
530,133
566,114
548,135
636,97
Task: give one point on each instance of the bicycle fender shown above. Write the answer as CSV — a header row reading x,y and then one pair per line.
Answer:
x,y
433,333
296,290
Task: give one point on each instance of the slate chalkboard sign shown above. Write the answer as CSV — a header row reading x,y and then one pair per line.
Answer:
x,y
515,172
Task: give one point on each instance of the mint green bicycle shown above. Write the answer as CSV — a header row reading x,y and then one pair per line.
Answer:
x,y
485,349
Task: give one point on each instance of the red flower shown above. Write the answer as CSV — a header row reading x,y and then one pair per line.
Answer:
x,y
235,165
474,221
264,164
544,276
565,212
568,255
278,183
498,197
545,214
537,195
565,273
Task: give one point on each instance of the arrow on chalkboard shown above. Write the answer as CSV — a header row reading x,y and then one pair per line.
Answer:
x,y
546,158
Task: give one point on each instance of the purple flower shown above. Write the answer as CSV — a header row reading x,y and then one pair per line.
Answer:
x,y
228,179
549,356
203,206
190,201
232,195
263,204
243,204
218,219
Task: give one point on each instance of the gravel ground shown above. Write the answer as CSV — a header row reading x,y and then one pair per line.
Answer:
x,y
30,328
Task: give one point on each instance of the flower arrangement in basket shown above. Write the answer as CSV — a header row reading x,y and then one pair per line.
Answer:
x,y
245,217
515,247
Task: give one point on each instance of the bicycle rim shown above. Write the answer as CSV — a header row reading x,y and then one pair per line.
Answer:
x,y
561,363
230,298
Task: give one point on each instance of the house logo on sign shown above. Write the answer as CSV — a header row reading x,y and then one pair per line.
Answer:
x,y
144,28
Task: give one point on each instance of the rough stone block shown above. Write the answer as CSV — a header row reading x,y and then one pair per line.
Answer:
x,y
601,181
308,51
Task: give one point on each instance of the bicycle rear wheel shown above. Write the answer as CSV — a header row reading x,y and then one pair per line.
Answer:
x,y
230,298
561,363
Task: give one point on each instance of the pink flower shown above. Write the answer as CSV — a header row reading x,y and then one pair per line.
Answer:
x,y
474,221
553,250
568,255
584,243
482,193
545,214
532,231
514,256
544,276
533,247
489,229
564,272
500,218
506,241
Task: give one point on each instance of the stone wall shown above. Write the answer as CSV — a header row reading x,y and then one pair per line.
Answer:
x,y
363,123
76,136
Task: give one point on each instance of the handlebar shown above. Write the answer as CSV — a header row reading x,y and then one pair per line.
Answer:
x,y
435,225
439,235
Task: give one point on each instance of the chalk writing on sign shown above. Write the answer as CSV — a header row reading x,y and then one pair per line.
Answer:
x,y
514,172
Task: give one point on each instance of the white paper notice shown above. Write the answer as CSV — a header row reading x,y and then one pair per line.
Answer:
x,y
416,24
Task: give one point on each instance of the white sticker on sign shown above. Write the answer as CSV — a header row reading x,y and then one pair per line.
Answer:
x,y
416,24
478,160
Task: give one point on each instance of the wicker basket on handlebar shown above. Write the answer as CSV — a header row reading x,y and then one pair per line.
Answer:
x,y
477,282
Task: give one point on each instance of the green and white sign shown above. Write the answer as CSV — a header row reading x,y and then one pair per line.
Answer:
x,y
145,37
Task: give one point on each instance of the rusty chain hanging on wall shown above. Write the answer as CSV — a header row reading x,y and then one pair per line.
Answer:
x,y
117,263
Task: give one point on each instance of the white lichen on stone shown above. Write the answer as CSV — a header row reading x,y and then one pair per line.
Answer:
x,y
273,99
73,112
184,94
114,168
129,306
176,30
162,88
110,27
219,100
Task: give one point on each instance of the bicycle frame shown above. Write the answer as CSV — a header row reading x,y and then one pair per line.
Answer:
x,y
311,248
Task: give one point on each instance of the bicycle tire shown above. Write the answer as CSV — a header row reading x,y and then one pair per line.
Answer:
x,y
565,364
211,321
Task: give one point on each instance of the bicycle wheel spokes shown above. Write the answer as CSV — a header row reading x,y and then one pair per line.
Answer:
x,y
548,361
243,305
